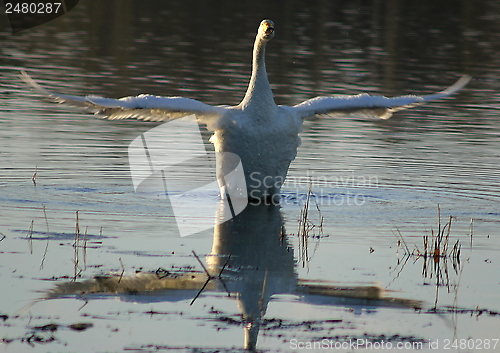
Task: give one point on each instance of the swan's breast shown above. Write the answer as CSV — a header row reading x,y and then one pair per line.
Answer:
x,y
265,146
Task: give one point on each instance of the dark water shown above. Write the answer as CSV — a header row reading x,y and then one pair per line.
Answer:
x,y
370,177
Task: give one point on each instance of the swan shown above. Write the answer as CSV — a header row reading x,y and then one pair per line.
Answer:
x,y
263,134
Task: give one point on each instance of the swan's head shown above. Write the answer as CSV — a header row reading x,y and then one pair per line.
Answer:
x,y
266,29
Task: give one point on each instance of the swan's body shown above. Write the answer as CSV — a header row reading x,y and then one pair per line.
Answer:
x,y
264,135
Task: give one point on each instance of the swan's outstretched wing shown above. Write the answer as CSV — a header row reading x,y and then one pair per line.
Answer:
x,y
143,107
380,106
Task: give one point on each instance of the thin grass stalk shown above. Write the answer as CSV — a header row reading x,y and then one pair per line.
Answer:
x,y
48,238
76,259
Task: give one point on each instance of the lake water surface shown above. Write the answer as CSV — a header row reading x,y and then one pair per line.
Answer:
x,y
377,184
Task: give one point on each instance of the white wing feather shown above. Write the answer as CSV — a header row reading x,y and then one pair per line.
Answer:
x,y
142,107
380,106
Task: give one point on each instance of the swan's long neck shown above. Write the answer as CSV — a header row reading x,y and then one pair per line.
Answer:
x,y
259,93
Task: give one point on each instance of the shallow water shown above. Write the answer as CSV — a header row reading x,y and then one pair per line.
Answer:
x,y
372,179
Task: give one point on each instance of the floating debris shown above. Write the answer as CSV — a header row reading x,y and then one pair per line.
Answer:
x,y
80,326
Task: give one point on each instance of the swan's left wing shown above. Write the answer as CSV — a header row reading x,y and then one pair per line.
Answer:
x,y
142,107
380,106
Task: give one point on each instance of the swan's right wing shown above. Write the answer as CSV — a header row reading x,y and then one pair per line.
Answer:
x,y
143,107
380,106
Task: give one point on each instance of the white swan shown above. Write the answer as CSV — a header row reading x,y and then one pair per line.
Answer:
x,y
264,135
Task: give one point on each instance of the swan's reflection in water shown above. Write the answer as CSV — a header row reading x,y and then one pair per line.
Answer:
x,y
251,259
261,262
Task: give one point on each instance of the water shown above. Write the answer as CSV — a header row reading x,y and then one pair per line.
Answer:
x,y
372,179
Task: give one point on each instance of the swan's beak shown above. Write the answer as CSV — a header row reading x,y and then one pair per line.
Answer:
x,y
267,28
